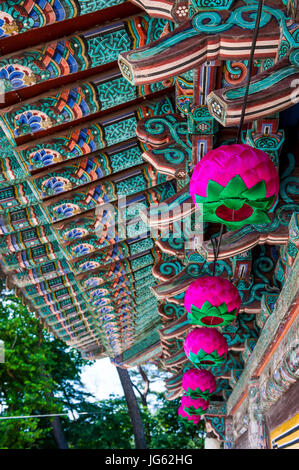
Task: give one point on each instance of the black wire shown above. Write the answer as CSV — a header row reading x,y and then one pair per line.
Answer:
x,y
250,62
214,252
216,249
219,243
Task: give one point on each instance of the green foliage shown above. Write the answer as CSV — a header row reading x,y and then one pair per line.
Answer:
x,y
41,375
160,418
167,432
38,377
108,427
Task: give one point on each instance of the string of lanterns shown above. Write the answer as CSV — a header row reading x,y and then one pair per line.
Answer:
x,y
235,185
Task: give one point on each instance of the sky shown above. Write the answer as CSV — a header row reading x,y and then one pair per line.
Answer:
x,y
101,379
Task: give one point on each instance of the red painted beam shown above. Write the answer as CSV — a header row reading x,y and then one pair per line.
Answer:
x,y
68,125
60,29
26,93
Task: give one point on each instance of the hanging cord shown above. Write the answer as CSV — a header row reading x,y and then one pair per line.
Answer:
x,y
214,251
216,248
215,245
250,62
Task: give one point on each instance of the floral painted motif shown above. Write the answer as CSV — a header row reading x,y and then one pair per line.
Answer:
x,y
106,318
106,309
93,282
101,302
82,249
8,26
75,233
56,185
31,121
89,265
65,210
98,293
16,76
45,157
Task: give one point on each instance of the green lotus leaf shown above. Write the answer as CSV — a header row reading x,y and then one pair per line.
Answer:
x,y
198,393
199,313
205,306
194,411
214,191
268,203
258,217
234,195
201,356
185,420
223,308
258,191
234,187
208,310
234,203
261,204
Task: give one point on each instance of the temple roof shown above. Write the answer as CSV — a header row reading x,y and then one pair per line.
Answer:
x,y
80,259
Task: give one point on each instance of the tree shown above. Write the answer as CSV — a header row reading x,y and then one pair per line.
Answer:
x,y
37,374
106,426
168,432
160,416
41,375
141,384
133,408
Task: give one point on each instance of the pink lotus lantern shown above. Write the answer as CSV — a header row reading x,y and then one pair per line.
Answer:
x,y
186,417
194,406
212,301
236,184
205,346
198,383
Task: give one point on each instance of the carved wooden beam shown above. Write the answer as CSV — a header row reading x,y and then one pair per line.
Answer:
x,y
111,228
171,246
239,241
172,10
293,8
175,360
164,270
171,160
176,284
206,36
75,54
167,145
271,91
173,209
159,131
176,328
